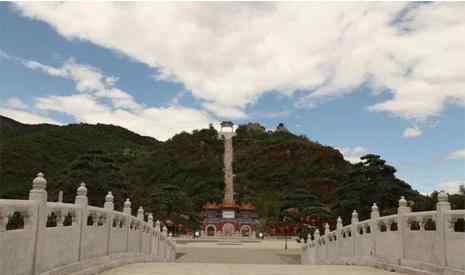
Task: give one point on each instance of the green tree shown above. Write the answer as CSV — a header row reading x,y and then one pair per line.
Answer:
x,y
171,202
268,206
372,181
100,171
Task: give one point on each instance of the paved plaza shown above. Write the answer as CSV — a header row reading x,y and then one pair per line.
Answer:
x,y
233,252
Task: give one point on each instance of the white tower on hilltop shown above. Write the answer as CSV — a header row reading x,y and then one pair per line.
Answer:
x,y
227,133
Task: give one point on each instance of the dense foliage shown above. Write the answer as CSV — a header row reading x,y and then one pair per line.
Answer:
x,y
173,179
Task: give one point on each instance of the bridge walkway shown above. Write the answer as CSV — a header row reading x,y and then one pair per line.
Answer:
x,y
232,258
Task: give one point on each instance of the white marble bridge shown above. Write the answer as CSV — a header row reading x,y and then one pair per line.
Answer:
x,y
38,237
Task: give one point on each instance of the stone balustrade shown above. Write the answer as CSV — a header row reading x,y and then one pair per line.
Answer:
x,y
50,238
430,242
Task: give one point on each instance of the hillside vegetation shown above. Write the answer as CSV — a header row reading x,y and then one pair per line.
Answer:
x,y
175,178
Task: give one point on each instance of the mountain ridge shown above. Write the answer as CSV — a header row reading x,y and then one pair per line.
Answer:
x,y
176,177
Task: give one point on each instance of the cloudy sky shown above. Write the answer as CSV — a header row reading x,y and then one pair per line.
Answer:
x,y
387,79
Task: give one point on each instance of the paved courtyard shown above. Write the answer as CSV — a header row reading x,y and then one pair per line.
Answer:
x,y
236,258
230,252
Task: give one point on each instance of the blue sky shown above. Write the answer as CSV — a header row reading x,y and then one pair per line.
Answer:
x,y
365,78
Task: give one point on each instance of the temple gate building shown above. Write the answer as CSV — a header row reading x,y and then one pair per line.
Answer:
x,y
229,219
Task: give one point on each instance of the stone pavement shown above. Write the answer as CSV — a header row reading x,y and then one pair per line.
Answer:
x,y
240,269
267,252
236,258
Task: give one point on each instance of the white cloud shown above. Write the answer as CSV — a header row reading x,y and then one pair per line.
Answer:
x,y
450,186
34,65
4,55
161,123
15,103
90,103
353,154
228,54
224,110
16,109
89,80
458,154
25,116
412,132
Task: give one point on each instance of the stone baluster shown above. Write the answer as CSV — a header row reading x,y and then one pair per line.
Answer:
x,y
317,236
165,242
442,207
82,201
354,234
151,229
388,224
374,216
157,239
326,238
127,207
60,196
157,226
313,245
38,193
95,218
127,210
140,217
327,229
165,231
60,215
339,237
402,225
421,222
140,213
109,206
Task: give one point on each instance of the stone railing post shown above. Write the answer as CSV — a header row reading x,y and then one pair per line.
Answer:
x,y
306,252
140,213
150,220
442,207
165,241
374,228
327,237
109,206
316,238
83,202
157,237
140,217
127,207
402,226
39,193
127,210
152,237
354,232
339,237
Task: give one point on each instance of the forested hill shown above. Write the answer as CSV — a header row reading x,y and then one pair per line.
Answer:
x,y
175,178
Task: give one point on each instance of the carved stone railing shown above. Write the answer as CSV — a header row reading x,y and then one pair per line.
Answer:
x,y
429,242
45,238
